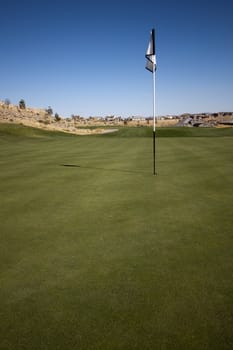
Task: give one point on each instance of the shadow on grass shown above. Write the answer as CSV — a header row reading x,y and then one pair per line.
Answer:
x,y
110,169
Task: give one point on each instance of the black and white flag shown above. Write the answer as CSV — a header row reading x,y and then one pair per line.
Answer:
x,y
150,53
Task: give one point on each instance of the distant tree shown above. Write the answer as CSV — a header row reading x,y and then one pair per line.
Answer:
x,y
22,104
7,102
49,110
57,118
75,117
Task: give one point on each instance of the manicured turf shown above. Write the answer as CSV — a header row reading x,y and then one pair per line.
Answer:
x,y
97,253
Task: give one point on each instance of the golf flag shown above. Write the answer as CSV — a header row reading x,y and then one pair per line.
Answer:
x,y
150,53
151,66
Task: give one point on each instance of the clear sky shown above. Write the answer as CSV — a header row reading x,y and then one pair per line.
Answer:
x,y
87,57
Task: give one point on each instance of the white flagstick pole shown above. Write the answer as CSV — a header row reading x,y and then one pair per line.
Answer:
x,y
154,99
154,119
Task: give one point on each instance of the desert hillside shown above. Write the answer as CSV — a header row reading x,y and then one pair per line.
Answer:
x,y
44,119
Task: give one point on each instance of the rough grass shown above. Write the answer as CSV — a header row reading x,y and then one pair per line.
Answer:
x,y
97,253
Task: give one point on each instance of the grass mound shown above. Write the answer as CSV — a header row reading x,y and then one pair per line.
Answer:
x,y
22,131
171,132
123,132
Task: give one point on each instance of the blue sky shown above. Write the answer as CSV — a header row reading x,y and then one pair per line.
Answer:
x,y
88,57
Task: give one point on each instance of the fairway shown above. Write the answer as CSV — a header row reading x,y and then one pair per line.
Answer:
x,y
97,253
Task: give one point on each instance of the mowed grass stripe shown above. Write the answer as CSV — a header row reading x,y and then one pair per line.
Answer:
x,y
100,254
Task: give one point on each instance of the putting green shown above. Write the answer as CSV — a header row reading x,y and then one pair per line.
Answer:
x,y
97,253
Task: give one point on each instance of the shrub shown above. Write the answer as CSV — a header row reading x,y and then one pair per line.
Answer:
x,y
49,110
57,118
22,104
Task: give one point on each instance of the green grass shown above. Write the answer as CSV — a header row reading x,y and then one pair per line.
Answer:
x,y
97,253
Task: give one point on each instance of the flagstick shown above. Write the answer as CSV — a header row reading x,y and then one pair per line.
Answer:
x,y
154,120
151,66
